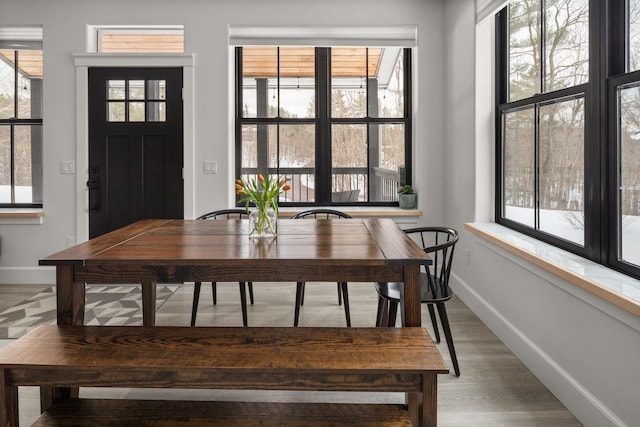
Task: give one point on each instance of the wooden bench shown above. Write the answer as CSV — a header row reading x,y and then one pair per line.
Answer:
x,y
333,359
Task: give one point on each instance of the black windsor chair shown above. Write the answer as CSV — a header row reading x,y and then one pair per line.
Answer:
x,y
439,242
343,293
217,215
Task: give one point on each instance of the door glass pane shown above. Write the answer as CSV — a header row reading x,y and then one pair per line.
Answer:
x,y
156,112
136,112
387,159
259,81
562,169
116,112
390,81
567,43
297,157
524,51
157,89
633,23
348,82
518,167
349,172
136,89
115,89
5,164
297,82
629,179
7,84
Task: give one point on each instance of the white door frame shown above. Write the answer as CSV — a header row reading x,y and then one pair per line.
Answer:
x,y
82,63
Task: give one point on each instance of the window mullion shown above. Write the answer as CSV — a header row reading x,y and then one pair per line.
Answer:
x,y
543,49
12,162
16,74
323,129
408,114
536,166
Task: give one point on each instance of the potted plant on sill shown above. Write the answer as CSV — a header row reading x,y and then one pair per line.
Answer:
x,y
406,197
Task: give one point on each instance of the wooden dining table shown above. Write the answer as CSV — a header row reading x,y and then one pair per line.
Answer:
x,y
155,251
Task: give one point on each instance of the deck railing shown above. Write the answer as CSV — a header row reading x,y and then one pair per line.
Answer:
x,y
348,184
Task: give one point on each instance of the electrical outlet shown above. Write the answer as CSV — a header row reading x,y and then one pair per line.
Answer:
x,y
467,256
210,166
67,167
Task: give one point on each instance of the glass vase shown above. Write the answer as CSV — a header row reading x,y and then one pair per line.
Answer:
x,y
263,223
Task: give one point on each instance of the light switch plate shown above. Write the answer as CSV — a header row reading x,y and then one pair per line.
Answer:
x,y
210,166
67,167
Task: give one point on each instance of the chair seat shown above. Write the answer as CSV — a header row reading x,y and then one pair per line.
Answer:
x,y
391,290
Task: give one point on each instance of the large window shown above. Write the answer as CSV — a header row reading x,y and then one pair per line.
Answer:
x,y
334,122
568,126
20,117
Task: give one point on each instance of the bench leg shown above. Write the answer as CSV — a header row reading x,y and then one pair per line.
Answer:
x,y
8,402
423,407
148,303
79,291
51,395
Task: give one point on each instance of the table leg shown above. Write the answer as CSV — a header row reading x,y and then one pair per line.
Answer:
x,y
148,303
64,294
410,296
8,402
79,295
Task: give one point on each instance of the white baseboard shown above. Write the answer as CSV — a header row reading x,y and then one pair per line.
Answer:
x,y
583,404
27,275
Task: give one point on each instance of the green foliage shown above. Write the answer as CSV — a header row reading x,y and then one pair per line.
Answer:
x,y
405,189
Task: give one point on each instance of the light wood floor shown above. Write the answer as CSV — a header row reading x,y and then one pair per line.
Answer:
x,y
495,389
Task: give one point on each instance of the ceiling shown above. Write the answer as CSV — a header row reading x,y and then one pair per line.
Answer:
x,y
262,61
30,61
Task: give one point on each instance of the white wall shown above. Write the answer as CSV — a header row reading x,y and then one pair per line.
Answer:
x,y
205,24
583,349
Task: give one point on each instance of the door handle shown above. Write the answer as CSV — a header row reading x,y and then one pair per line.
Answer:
x,y
94,193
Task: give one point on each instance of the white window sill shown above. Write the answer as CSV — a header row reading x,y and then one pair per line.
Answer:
x,y
21,216
610,285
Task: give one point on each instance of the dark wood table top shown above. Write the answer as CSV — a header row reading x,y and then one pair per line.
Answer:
x,y
364,242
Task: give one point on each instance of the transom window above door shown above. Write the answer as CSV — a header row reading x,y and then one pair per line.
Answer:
x,y
136,39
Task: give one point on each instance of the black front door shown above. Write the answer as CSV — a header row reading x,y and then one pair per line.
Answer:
x,y
135,146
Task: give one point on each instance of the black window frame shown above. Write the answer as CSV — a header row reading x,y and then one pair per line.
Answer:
x,y
607,71
323,123
12,123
